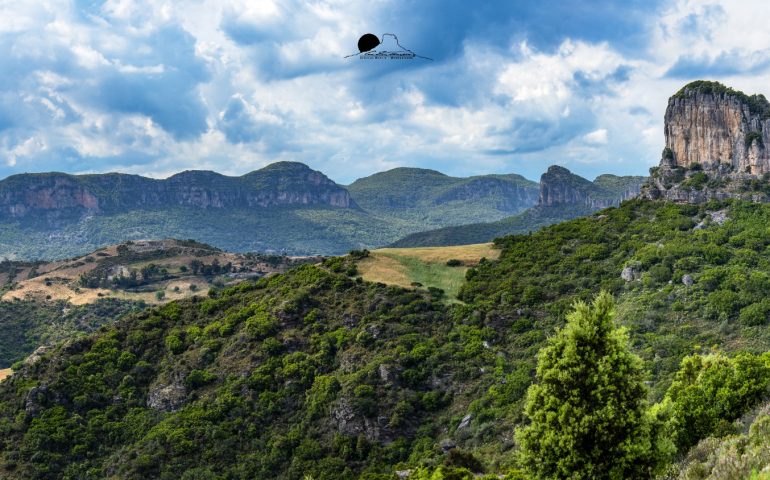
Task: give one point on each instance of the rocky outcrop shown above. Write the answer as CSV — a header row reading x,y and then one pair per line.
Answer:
x,y
167,397
715,146
712,125
510,196
559,186
284,183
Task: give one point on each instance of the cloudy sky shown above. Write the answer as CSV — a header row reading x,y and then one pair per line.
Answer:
x,y
155,87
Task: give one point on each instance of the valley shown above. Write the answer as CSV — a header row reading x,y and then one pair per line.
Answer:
x,y
646,318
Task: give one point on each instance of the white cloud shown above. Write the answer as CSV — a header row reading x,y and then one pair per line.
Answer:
x,y
115,85
597,137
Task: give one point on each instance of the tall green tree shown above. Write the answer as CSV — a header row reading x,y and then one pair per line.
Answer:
x,y
587,408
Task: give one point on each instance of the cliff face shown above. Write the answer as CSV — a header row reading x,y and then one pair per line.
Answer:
x,y
279,184
509,196
559,186
716,141
715,126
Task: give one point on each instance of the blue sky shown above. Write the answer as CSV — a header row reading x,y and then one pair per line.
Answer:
x,y
156,87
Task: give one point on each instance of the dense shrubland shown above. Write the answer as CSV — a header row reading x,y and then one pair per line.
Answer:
x,y
318,373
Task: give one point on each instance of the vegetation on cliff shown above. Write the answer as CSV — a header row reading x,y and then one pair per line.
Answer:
x,y
757,103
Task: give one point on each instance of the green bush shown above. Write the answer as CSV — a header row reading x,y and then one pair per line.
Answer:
x,y
710,391
755,314
587,407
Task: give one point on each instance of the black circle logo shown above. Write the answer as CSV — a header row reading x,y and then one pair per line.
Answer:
x,y
367,42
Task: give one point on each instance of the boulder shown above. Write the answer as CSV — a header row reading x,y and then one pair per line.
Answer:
x,y
629,274
167,397
465,422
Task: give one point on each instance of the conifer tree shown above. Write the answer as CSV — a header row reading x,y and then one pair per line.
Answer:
x,y
587,408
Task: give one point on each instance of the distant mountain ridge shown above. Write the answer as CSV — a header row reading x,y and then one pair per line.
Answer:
x,y
563,196
283,183
432,197
285,207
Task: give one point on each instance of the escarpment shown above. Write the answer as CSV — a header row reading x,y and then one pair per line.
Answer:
x,y
715,146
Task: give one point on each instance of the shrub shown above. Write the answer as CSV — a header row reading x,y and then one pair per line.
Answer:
x,y
462,459
454,263
587,408
710,391
198,378
755,314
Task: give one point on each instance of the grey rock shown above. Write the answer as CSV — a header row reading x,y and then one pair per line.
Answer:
x,y
36,355
36,396
465,422
345,419
719,217
167,397
687,280
386,373
629,274
447,445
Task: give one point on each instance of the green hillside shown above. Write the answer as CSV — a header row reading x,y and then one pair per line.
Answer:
x,y
316,373
290,230
407,195
564,196
528,221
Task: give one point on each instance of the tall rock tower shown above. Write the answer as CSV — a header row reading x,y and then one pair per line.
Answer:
x,y
716,141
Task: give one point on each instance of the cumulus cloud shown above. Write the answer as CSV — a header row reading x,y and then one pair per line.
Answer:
x,y
154,87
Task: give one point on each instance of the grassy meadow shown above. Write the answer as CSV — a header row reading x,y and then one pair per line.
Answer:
x,y
425,265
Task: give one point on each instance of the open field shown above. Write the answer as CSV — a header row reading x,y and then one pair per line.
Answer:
x,y
424,265
171,259
5,373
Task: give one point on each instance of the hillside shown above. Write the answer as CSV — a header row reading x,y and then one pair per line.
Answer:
x,y
441,268
563,195
45,302
435,199
344,376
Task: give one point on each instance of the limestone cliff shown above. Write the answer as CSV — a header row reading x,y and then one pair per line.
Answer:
x,y
710,124
284,183
715,146
559,186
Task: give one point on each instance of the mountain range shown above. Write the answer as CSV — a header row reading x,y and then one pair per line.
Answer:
x,y
563,195
285,207
317,373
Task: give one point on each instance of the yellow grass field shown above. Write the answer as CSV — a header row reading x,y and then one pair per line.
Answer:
x,y
5,373
424,265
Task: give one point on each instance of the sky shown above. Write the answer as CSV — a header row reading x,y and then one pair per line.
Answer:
x,y
157,87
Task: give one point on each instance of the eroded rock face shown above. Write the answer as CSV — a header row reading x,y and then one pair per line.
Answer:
x,y
714,126
715,149
559,186
347,421
283,183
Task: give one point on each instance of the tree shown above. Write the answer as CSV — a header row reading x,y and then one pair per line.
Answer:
x,y
587,409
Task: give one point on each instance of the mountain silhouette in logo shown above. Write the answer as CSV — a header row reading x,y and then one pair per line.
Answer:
x,y
371,47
